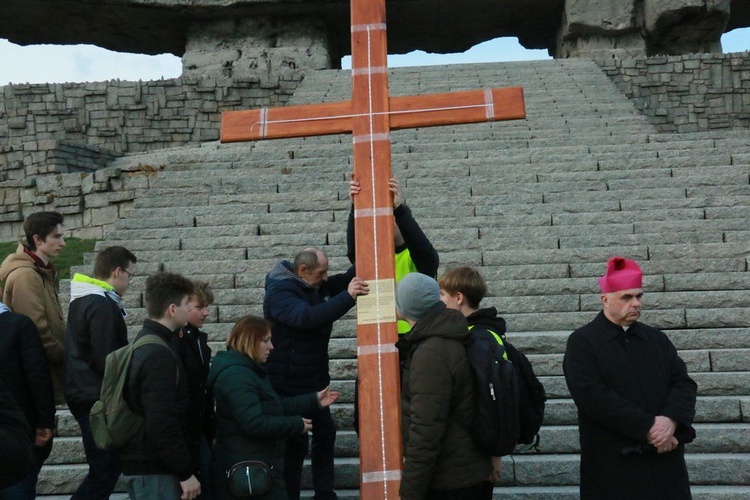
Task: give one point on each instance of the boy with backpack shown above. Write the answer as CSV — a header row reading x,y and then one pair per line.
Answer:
x,y
156,460
438,400
96,327
463,289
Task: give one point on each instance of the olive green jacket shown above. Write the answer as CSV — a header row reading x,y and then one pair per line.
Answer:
x,y
438,401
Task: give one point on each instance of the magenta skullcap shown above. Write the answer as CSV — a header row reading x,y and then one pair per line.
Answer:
x,y
622,274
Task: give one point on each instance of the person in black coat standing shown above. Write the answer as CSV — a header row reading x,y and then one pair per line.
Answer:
x,y
25,373
191,345
302,302
156,461
635,400
96,327
17,454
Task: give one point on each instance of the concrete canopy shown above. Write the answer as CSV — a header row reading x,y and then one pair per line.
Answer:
x,y
161,26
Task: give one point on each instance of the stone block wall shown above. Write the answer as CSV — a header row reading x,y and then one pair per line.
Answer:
x,y
687,93
130,117
90,201
49,156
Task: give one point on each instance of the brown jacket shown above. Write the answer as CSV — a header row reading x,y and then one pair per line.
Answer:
x,y
438,402
32,291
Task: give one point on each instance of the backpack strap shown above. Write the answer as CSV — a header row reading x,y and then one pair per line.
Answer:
x,y
151,338
499,338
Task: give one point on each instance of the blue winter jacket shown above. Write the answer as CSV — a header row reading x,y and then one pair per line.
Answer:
x,y
303,319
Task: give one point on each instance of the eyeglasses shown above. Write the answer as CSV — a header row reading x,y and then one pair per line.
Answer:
x,y
130,275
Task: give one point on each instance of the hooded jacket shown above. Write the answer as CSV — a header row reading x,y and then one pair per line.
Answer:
x,y
438,401
252,421
415,255
303,319
32,291
96,327
487,319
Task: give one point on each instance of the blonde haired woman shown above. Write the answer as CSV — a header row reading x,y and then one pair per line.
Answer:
x,y
252,420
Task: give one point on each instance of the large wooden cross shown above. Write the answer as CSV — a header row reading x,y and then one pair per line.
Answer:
x,y
370,116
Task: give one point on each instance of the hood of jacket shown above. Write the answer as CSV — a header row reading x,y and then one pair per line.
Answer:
x,y
283,271
83,286
16,261
487,318
228,359
440,322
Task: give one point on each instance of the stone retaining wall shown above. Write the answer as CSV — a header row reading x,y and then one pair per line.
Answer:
x,y
90,201
131,117
57,140
687,93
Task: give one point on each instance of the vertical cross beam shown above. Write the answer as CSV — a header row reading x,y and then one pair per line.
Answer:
x,y
369,117
377,358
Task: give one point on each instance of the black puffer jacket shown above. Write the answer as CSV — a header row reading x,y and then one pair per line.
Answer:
x,y
438,401
17,455
24,370
96,327
161,446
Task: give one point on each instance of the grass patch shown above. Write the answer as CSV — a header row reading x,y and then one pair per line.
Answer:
x,y
72,254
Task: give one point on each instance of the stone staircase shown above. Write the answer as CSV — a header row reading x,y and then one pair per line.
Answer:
x,y
538,205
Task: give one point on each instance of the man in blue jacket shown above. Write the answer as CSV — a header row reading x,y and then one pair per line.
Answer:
x,y
302,301
96,327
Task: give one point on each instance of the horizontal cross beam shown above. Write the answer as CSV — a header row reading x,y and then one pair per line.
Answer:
x,y
450,108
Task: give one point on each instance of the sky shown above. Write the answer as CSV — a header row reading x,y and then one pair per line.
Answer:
x,y
87,63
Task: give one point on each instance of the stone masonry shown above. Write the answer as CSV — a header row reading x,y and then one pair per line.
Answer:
x,y
56,140
621,28
687,93
129,117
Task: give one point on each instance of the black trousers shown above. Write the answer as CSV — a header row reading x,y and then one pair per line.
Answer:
x,y
323,444
481,491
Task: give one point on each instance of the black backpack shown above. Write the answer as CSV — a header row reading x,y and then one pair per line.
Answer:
x,y
531,394
495,428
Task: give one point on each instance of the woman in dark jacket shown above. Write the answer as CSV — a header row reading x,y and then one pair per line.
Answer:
x,y
252,421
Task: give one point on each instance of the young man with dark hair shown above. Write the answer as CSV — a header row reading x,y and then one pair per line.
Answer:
x,y
96,327
192,347
156,461
462,289
31,287
25,375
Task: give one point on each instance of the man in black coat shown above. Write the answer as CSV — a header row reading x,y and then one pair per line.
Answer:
x,y
635,400
156,461
25,374
302,301
191,345
17,454
96,327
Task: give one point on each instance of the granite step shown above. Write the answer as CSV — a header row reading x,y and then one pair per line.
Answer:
x,y
518,470
554,439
